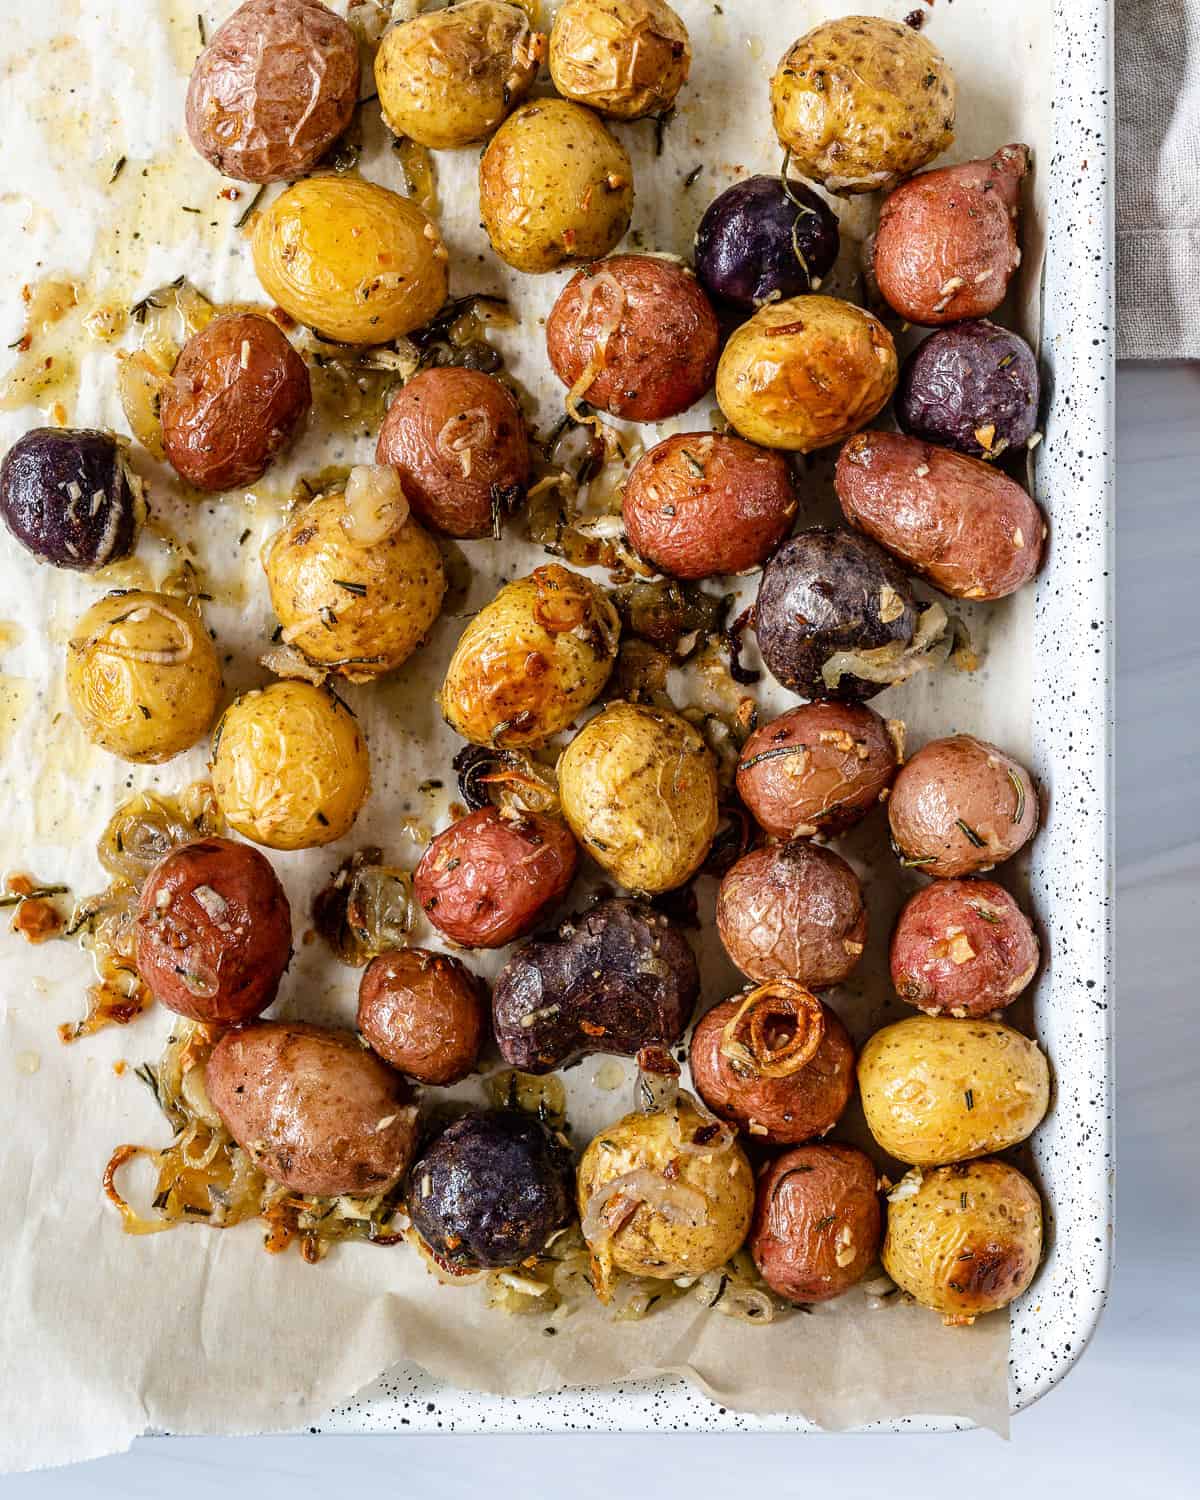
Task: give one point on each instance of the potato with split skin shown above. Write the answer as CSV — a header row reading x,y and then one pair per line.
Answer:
x,y
625,58
962,948
424,1013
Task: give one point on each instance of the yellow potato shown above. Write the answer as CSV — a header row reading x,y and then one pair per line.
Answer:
x,y
350,259
938,1090
625,58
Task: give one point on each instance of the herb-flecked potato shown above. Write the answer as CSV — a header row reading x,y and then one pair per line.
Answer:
x,y
312,1108
273,90
639,789
817,1222
946,246
289,766
448,78
962,948
819,768
964,1240
937,1090
531,660
356,262
617,979
458,441
764,240
634,335
702,503
424,1013
970,530
213,931
142,675
236,396
625,58
806,373
971,386
777,1063
491,877
862,102
961,806
793,911
555,187
351,600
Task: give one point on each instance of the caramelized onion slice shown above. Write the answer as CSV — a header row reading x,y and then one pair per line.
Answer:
x,y
776,1030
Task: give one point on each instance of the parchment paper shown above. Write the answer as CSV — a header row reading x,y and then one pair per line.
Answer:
x,y
197,1331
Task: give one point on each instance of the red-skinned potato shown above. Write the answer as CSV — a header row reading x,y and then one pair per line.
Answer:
x,y
947,247
962,948
969,529
422,1012
491,877
702,503
635,336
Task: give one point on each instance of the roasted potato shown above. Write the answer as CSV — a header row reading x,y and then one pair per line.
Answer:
x,y
555,187
424,1013
967,528
289,766
142,675
862,102
963,1240
273,90
765,240
213,932
625,58
936,1090
448,78
358,263
946,246
806,373
531,660
961,806
639,789
973,387
962,948
312,1108
701,503
817,1222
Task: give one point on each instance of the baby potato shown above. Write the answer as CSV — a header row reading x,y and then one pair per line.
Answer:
x,y
963,1240
348,258
806,373
289,766
937,1090
862,102
625,58
531,660
555,187
971,386
349,599
142,675
639,789
424,1013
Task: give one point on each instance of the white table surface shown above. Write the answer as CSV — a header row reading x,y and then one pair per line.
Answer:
x,y
1128,1414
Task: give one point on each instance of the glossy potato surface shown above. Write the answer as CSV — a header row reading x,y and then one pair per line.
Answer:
x,y
625,58
962,948
817,1222
424,1013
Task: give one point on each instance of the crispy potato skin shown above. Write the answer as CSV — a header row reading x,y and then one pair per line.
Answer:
x,y
273,90
936,1090
817,1222
237,395
314,1110
862,102
448,78
972,531
639,789
424,1013
806,373
956,787
962,948
458,440
967,1241
555,187
793,911
358,263
702,503
819,768
214,932
625,58
531,660
779,1111
144,711
488,879
946,247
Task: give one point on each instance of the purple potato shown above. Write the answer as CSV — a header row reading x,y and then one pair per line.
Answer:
x,y
757,243
70,497
970,386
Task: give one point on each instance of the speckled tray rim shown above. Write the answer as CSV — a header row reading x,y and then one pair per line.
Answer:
x,y
1072,869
